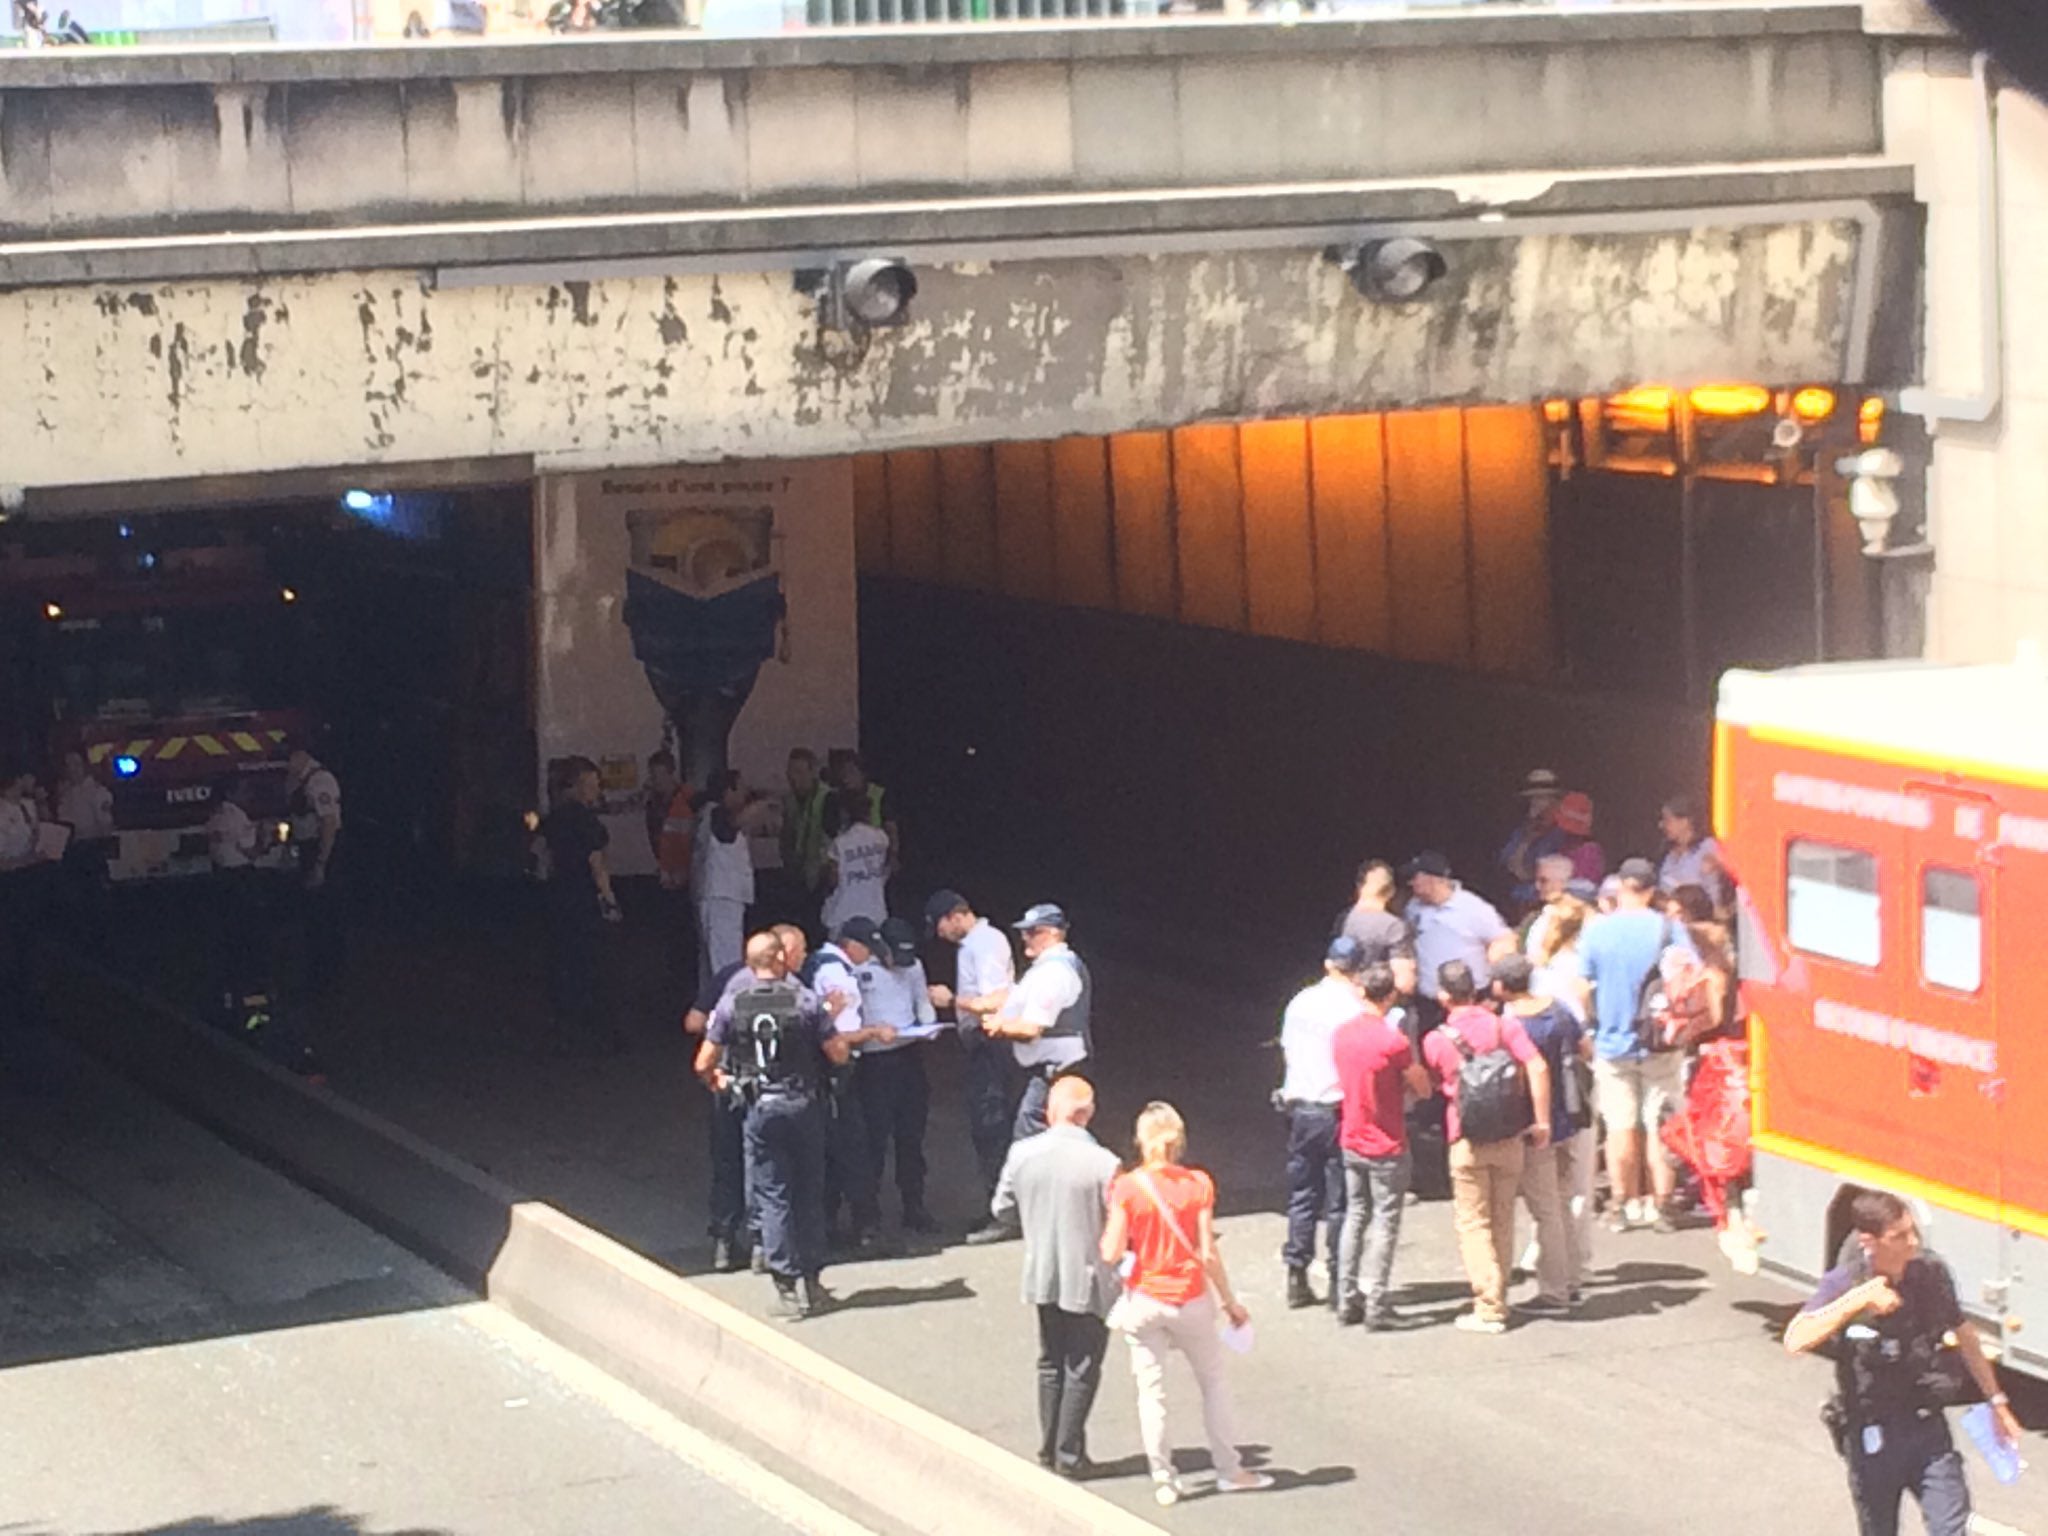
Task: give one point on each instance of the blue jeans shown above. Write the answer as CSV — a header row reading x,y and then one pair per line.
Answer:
x,y
786,1172
1916,1456
1315,1183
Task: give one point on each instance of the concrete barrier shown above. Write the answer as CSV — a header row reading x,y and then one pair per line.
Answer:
x,y
880,1459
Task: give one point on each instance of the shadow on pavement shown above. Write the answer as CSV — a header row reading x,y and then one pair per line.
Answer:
x,y
955,1289
1642,1300
314,1520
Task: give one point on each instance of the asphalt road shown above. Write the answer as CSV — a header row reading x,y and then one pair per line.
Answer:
x,y
191,1346
1666,1406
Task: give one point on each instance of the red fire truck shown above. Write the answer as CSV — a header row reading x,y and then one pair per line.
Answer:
x,y
1889,824
167,653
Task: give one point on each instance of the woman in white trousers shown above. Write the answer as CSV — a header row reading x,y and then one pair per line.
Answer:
x,y
1162,1217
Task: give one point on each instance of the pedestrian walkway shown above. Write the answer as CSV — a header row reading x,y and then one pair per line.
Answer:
x,y
1665,1405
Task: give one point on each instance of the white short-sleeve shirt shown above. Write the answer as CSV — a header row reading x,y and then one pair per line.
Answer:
x,y
1460,929
1041,995
986,964
861,855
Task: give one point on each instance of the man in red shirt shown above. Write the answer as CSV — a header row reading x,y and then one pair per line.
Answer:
x,y
1485,1175
1379,1075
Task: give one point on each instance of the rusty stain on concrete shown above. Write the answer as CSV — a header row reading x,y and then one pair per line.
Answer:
x,y
345,370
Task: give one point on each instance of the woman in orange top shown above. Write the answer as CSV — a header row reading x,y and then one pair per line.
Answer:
x,y
1164,1217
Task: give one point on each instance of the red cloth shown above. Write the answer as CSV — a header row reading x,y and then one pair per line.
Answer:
x,y
1371,1055
1711,1133
1166,1269
1482,1030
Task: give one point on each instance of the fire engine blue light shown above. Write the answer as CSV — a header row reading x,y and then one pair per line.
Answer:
x,y
126,767
358,501
127,532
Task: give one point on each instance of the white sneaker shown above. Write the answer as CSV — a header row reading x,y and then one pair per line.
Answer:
x,y
1638,1213
1247,1482
1167,1492
1472,1322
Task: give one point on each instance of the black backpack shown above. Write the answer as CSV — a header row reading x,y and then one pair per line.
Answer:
x,y
1493,1093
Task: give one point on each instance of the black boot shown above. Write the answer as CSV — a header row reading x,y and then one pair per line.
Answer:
x,y
1299,1294
811,1297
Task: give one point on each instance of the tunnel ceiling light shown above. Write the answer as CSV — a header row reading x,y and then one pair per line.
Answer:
x,y
1394,271
1813,404
53,610
1730,400
870,294
288,594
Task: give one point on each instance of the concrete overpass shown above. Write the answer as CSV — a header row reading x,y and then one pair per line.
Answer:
x,y
579,253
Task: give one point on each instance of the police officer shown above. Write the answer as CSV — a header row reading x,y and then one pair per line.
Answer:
x,y
315,810
895,1094
1046,1015
982,978
733,1228
1904,1343
851,1178
772,1039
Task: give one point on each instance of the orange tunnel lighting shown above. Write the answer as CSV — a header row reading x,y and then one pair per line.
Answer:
x,y
1557,412
1646,408
1870,419
1731,399
1814,404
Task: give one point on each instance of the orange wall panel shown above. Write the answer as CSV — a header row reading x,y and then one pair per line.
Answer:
x,y
1024,559
914,547
1348,502
870,512
1084,555
1426,523
1279,539
1507,484
1208,526
967,518
1141,504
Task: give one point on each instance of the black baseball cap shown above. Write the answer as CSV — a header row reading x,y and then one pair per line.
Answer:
x,y
864,931
1427,862
899,937
943,905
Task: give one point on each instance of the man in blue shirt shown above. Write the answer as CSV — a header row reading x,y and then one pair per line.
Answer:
x,y
1618,954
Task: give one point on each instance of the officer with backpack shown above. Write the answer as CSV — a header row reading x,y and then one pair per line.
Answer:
x,y
769,1043
1904,1354
1497,1107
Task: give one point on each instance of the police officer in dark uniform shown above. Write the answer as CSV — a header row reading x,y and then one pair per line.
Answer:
x,y
315,809
771,1042
1904,1353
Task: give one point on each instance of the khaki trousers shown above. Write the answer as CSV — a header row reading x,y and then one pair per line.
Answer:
x,y
1484,1180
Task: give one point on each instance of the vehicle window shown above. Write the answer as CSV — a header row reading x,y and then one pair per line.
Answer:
x,y
1831,902
1951,930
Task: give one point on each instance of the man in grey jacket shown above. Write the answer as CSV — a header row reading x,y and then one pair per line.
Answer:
x,y
1056,1188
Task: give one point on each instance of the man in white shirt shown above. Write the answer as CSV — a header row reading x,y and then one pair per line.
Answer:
x,y
722,873
1047,1015
895,1094
1311,1097
230,834
852,1178
316,827
83,801
983,976
1451,923
856,873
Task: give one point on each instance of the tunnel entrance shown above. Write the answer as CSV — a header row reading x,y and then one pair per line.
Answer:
x,y
1212,667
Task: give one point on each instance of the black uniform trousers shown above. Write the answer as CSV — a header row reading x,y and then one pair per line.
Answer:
x,y
321,910
729,1205
786,1172
1037,1089
896,1101
1070,1350
852,1179
1914,1455
1315,1183
987,1074
576,979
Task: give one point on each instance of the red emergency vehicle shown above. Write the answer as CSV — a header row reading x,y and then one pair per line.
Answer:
x,y
168,655
1889,824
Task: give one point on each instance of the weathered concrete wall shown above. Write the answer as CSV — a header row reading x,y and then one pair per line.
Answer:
x,y
1987,486
145,145
368,368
